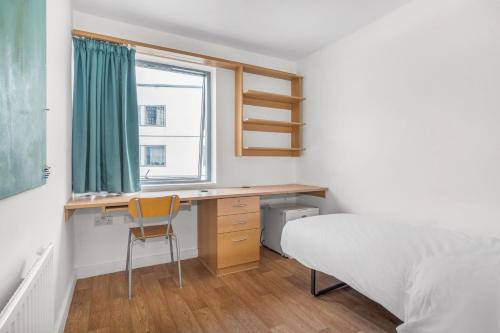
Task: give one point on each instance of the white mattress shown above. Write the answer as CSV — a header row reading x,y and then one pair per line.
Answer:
x,y
371,256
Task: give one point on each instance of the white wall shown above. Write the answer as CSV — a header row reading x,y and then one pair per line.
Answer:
x,y
34,218
101,249
403,117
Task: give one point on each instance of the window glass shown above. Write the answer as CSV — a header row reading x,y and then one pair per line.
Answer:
x,y
180,98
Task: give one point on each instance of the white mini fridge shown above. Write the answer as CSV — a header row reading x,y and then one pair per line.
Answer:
x,y
276,216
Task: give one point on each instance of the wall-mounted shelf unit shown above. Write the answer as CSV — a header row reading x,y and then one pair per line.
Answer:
x,y
292,102
270,151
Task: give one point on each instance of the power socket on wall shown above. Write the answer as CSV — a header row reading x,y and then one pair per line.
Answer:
x,y
103,220
127,219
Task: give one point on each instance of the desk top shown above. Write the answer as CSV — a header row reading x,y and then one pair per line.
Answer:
x,y
193,195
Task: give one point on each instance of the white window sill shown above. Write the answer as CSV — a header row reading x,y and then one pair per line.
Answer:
x,y
150,188
173,187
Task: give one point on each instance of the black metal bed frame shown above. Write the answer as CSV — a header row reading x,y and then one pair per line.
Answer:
x,y
320,292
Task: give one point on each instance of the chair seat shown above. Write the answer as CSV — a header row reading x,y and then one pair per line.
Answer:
x,y
151,231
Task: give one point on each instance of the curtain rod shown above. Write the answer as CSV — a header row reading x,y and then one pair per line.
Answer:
x,y
198,58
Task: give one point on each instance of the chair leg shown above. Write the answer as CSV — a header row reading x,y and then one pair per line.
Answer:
x,y
171,249
130,270
178,260
128,249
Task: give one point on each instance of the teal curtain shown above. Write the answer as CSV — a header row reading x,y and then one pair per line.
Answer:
x,y
105,118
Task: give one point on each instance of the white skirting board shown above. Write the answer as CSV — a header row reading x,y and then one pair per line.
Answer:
x,y
119,265
62,315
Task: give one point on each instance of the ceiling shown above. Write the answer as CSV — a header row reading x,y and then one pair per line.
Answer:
x,y
289,29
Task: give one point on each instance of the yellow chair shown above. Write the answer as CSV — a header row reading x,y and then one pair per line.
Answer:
x,y
160,207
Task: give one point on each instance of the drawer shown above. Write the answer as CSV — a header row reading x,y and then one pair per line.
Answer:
x,y
237,222
231,206
238,247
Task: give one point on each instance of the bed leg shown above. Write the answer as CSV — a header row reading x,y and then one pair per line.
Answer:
x,y
320,292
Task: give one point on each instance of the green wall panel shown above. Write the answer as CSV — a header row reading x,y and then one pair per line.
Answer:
x,y
22,95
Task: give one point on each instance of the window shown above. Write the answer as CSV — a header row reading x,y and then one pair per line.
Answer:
x,y
185,93
152,115
152,156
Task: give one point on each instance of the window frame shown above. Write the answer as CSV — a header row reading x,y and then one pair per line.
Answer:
x,y
206,130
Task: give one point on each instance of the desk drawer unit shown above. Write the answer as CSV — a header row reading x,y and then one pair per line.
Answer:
x,y
229,233
238,222
231,206
237,248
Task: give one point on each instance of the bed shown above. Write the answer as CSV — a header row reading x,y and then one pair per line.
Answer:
x,y
382,260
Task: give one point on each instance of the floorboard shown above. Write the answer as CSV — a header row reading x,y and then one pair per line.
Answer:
x,y
272,298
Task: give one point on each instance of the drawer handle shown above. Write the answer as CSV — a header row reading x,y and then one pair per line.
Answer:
x,y
240,205
239,222
239,240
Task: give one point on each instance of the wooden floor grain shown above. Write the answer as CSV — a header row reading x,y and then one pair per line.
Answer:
x,y
272,298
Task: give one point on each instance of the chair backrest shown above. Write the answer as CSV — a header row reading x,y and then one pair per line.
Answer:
x,y
157,207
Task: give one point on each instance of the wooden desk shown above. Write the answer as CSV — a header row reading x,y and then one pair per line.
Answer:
x,y
228,220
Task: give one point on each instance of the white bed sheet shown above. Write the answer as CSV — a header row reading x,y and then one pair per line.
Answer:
x,y
374,257
450,293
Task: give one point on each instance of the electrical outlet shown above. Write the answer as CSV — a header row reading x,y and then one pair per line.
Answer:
x,y
127,219
103,220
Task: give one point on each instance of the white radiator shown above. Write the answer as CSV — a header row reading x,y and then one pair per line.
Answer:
x,y
31,307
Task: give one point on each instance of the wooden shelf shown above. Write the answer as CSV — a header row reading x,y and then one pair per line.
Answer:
x,y
270,151
262,125
271,97
266,104
270,72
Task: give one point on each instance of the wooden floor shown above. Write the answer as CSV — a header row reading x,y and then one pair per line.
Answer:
x,y
272,298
